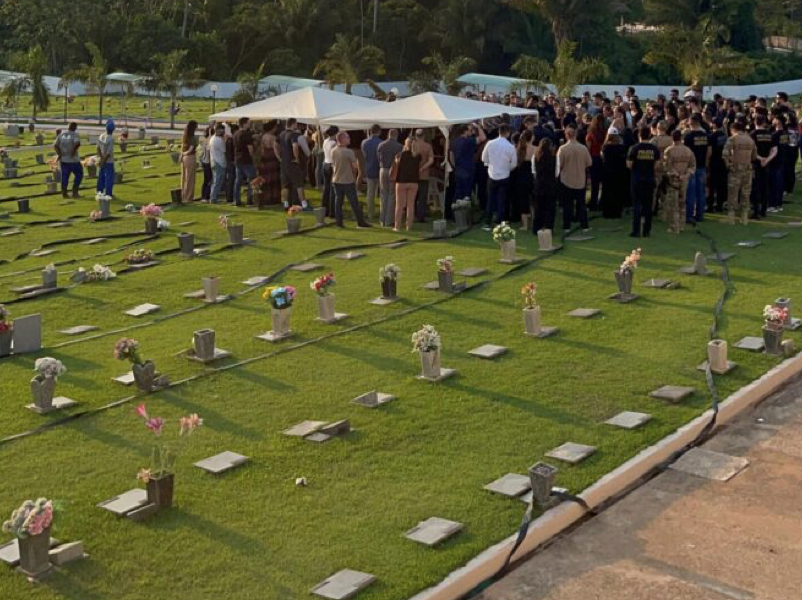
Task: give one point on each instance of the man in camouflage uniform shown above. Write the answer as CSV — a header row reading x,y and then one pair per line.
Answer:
x,y
663,141
740,152
679,164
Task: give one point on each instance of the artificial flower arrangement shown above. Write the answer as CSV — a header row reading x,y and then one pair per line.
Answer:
x,y
257,183
48,367
630,262
322,284
529,293
503,232
131,208
151,211
280,297
95,215
99,273
140,255
294,211
128,349
426,339
5,324
775,316
446,265
389,272
226,221
164,453
90,161
31,518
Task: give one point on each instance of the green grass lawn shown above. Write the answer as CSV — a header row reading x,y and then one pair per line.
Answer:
x,y
252,534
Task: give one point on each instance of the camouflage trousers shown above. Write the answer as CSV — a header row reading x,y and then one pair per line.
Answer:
x,y
675,203
739,188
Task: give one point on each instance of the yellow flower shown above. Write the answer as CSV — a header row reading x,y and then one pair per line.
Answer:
x,y
268,291
144,475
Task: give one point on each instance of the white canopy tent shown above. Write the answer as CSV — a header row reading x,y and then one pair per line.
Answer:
x,y
310,105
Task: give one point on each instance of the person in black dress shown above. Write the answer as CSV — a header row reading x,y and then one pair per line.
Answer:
x,y
615,177
544,193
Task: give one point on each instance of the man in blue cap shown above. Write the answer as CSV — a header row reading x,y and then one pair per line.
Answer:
x,y
105,150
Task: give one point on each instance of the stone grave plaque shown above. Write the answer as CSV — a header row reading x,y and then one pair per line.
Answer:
x,y
444,374
40,253
472,272
306,267
395,245
511,485
710,465
578,238
142,310
79,329
432,531
795,224
724,256
220,463
623,298
629,420
318,437
59,403
432,286
373,399
672,393
775,235
584,313
489,351
337,317
753,344
127,379
273,337
143,512
11,232
255,281
383,301
196,295
27,336
9,552
350,255
94,241
658,283
60,224
185,224
343,585
41,292
544,332
124,503
219,354
25,289
304,428
67,553
749,244
571,453
730,366
342,427
794,324
142,265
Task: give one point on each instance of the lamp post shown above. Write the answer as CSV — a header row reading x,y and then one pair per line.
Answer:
x,y
214,97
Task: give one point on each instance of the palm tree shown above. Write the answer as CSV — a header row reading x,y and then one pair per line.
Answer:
x,y
33,67
565,73
441,74
568,17
348,63
93,75
171,74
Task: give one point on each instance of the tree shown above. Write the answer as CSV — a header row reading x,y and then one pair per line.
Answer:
x,y
348,63
171,74
249,84
569,18
93,75
33,67
442,74
565,73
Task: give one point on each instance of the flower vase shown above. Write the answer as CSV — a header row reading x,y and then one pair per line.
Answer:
x,y
624,281
532,320
430,364
40,139
773,337
445,280
320,216
717,355
508,251
186,242
175,156
541,476
461,218
203,342
545,242
211,288
325,306
91,171
175,196
105,207
5,342
786,304
118,177
145,375
280,317
151,225
389,288
43,389
236,234
34,554
293,224
24,205
123,146
160,491
49,278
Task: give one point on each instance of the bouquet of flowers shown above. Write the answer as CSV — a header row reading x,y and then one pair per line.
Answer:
x,y
128,349
529,293
257,183
503,232
90,161
389,272
95,215
5,324
445,264
426,339
775,316
322,284
51,268
49,367
32,518
100,273
225,222
630,262
280,297
151,211
294,211
140,255
164,454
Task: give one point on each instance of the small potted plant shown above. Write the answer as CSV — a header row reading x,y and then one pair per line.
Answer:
x,y
280,299
49,276
773,328
531,308
139,256
426,342
504,235
43,385
626,272
445,273
159,477
235,230
294,219
151,213
388,277
30,524
6,331
144,370
325,299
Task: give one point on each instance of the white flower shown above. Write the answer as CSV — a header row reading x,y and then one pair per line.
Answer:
x,y
503,232
49,367
163,225
426,339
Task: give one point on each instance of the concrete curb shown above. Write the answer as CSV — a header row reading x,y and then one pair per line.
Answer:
x,y
485,565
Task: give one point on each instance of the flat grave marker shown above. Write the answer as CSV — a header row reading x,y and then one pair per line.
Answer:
x,y
433,530
124,503
511,485
343,585
629,420
256,281
220,463
79,329
775,235
304,428
9,552
127,379
306,267
142,310
488,351
753,344
59,403
349,255
672,393
472,272
749,244
584,313
373,399
658,283
571,452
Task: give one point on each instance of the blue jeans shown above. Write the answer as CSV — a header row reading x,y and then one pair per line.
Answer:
x,y
341,192
776,185
696,197
71,168
246,173
218,176
105,178
496,200
463,183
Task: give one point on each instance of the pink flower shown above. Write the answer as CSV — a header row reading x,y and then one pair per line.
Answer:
x,y
142,411
190,423
156,424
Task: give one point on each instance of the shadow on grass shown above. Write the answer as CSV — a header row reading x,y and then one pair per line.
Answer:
x,y
262,381
88,427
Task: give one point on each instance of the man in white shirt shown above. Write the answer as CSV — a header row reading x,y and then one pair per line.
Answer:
x,y
328,170
217,158
500,158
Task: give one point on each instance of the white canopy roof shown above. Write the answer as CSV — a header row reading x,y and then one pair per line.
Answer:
x,y
424,110
307,105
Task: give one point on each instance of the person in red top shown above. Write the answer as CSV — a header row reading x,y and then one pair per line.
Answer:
x,y
594,140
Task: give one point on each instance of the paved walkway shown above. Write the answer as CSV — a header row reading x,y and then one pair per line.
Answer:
x,y
684,537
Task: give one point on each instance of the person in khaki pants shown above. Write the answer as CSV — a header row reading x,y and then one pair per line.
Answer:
x,y
426,161
407,169
189,149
